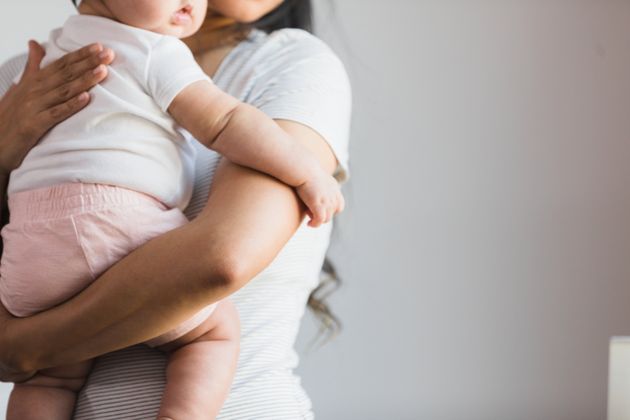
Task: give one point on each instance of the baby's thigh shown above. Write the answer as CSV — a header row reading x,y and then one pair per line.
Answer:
x,y
108,236
222,324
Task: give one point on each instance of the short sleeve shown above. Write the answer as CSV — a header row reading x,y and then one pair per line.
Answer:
x,y
171,68
10,72
310,86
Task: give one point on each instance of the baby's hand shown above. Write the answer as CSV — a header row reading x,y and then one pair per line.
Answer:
x,y
322,196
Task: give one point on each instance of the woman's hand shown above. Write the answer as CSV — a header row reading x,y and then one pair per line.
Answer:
x,y
45,97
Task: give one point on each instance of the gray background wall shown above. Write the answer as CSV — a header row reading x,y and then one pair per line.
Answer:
x,y
486,251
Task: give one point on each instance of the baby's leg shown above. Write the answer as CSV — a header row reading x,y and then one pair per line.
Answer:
x,y
201,367
50,394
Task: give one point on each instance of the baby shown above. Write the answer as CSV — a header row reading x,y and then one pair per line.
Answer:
x,y
117,174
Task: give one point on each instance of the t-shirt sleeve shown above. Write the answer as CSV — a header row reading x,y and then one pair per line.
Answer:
x,y
171,68
313,90
11,72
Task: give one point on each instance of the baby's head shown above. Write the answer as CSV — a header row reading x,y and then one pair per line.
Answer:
x,y
179,18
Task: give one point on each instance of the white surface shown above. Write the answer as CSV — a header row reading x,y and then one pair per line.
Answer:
x,y
29,20
619,379
485,251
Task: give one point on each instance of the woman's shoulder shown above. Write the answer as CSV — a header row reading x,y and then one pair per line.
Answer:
x,y
9,69
283,60
277,50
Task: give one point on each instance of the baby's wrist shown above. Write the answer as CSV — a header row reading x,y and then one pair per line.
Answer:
x,y
312,171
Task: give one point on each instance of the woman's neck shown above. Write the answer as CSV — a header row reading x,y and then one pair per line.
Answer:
x,y
215,39
216,32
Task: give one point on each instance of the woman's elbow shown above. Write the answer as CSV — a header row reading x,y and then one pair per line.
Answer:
x,y
231,273
226,269
15,364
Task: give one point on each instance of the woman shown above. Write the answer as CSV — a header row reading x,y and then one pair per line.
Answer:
x,y
244,223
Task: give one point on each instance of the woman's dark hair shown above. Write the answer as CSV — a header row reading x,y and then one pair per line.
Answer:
x,y
290,14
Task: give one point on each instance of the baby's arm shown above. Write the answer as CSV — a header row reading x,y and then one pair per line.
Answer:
x,y
248,137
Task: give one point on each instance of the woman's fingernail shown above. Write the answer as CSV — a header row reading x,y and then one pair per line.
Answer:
x,y
103,54
95,48
99,69
83,97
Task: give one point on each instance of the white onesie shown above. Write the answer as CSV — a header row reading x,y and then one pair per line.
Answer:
x,y
152,154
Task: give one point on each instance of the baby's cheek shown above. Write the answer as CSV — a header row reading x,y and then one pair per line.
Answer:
x,y
143,14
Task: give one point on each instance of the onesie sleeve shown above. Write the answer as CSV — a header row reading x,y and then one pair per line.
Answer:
x,y
308,84
170,69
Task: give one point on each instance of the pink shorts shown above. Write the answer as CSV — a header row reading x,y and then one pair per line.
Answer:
x,y
62,238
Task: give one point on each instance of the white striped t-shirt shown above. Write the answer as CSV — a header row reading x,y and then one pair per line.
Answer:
x,y
290,75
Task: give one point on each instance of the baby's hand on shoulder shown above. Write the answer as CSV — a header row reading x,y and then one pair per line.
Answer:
x,y
322,196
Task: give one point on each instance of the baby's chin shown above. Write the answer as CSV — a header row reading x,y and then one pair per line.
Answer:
x,y
177,31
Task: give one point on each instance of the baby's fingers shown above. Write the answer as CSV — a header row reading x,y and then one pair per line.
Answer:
x,y
318,216
309,215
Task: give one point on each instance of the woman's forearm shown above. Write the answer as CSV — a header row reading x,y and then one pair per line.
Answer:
x,y
249,217
142,296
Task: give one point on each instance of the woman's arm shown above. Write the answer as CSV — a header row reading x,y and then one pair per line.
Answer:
x,y
248,218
